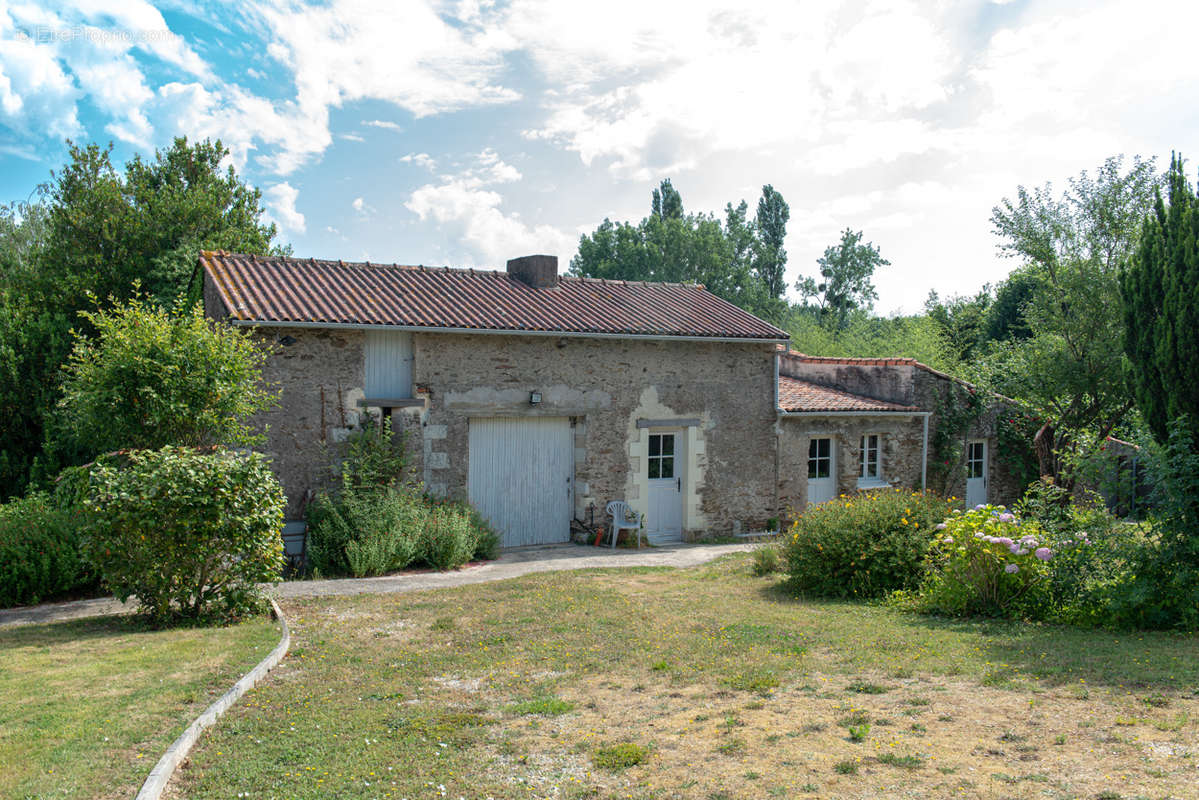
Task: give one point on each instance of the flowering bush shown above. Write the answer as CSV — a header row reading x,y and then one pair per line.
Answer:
x,y
985,562
864,545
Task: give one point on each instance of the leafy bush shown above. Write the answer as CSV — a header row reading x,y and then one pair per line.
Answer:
x,y
188,534
378,524
367,533
862,546
1094,553
1162,590
153,378
986,562
40,551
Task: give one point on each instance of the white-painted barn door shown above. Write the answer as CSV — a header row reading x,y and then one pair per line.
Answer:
x,y
520,476
822,470
664,521
976,473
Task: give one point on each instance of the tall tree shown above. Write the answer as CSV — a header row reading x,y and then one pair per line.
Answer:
x,y
1071,367
94,231
1160,293
847,269
770,259
669,245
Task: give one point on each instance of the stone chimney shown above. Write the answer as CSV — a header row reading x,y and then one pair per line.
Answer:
x,y
540,272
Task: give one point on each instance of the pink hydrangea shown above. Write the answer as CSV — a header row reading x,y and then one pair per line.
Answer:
x,y
1011,569
1043,553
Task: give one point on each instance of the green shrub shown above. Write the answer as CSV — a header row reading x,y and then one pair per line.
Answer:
x,y
862,546
188,534
153,377
449,537
986,562
40,551
765,559
1094,554
362,534
487,547
376,523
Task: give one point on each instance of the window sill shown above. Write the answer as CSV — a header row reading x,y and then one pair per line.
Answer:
x,y
405,402
872,483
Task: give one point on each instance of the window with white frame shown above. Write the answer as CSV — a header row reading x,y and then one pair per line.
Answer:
x,y
871,460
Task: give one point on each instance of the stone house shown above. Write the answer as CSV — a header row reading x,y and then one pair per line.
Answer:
x,y
537,397
540,398
857,423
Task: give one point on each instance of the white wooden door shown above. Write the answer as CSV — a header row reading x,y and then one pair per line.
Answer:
x,y
664,520
976,473
822,472
519,477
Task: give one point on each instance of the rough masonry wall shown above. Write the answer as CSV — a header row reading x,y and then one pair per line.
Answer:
x,y
901,443
319,377
894,383
602,384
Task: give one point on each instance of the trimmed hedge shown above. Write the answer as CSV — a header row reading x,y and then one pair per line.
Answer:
x,y
40,554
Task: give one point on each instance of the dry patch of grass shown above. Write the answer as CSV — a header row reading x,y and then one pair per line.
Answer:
x,y
702,683
87,707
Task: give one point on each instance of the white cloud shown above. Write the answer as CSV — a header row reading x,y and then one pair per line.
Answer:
x,y
468,212
350,137
384,124
280,201
419,159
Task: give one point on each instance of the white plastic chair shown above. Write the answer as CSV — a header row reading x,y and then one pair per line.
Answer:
x,y
622,519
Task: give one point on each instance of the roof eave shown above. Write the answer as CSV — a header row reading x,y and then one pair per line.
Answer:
x,y
892,413
663,337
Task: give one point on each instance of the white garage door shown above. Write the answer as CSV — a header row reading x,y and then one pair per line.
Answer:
x,y
520,477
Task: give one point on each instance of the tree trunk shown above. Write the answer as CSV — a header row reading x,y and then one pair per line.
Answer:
x,y
1043,443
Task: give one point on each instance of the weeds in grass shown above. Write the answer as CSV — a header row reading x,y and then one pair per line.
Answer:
x,y
868,688
904,762
846,767
919,701
443,624
616,757
542,705
1156,700
733,747
1176,724
856,718
1060,739
760,681
918,728
858,733
659,666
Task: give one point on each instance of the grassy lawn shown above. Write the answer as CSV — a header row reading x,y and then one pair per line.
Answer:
x,y
87,707
703,683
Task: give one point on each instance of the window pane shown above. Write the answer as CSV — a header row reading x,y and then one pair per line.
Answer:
x,y
655,444
655,466
813,448
825,447
814,468
667,467
822,468
668,445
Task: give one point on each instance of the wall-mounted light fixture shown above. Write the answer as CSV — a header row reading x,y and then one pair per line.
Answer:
x,y
534,398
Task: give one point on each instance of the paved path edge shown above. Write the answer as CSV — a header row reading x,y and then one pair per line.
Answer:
x,y
157,781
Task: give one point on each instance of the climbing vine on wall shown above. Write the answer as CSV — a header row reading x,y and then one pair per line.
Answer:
x,y
1014,432
957,410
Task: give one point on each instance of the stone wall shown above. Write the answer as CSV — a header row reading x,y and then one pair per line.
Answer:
x,y
900,442
604,385
907,383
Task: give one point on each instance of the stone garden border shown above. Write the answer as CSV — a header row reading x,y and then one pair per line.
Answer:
x,y
157,781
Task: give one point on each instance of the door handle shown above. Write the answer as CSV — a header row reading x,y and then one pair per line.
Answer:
x,y
680,485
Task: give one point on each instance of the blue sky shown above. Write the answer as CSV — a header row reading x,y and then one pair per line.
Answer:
x,y
466,133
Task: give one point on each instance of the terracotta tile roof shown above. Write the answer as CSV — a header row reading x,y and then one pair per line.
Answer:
x,y
279,290
797,395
